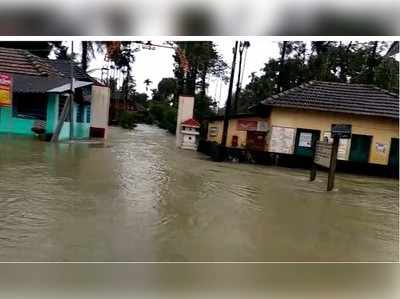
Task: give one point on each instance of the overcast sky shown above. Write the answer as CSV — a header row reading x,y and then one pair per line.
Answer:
x,y
157,64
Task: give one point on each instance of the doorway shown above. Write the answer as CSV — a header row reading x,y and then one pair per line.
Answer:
x,y
255,140
305,138
360,148
394,157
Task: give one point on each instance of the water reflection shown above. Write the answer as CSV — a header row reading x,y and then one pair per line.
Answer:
x,y
137,198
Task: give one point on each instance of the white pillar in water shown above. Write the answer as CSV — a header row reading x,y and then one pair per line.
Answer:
x,y
185,111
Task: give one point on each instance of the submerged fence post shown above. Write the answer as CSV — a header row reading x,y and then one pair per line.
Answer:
x,y
332,168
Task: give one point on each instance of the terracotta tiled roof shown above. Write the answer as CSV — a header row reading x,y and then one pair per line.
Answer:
x,y
34,74
17,61
191,123
339,97
64,67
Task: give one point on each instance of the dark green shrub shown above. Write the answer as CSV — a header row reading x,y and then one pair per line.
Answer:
x,y
128,120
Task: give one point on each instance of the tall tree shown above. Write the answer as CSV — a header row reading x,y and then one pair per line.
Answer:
x,y
38,48
147,82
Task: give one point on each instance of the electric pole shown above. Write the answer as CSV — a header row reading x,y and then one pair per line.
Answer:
x,y
229,99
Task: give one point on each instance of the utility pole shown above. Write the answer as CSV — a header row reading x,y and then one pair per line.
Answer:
x,y
229,99
242,46
71,100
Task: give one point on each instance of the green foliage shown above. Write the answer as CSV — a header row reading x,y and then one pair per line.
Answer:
x,y
166,91
164,115
128,120
326,61
203,60
38,48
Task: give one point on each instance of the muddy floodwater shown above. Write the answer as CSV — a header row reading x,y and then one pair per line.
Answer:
x,y
138,198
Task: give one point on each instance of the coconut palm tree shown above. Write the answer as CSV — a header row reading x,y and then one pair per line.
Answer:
x,y
147,82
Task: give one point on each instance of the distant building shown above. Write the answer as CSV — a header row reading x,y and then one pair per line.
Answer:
x,y
39,92
287,124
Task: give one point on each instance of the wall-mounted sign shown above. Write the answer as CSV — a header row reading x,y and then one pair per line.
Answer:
x,y
322,154
262,126
5,90
305,139
213,132
344,146
282,140
380,148
341,130
246,125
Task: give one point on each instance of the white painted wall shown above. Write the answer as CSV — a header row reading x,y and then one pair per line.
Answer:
x,y
100,108
185,111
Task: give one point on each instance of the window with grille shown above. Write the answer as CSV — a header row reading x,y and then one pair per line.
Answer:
x,y
88,120
80,113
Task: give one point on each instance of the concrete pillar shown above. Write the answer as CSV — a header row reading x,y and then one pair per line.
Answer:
x,y
185,111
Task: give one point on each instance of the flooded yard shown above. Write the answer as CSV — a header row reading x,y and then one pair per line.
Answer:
x,y
138,198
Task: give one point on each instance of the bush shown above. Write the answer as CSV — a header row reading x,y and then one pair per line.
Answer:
x,y
164,116
128,120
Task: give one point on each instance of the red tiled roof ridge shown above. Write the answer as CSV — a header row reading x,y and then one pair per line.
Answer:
x,y
191,122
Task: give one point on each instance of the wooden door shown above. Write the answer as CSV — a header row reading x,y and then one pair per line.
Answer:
x,y
255,140
360,148
305,139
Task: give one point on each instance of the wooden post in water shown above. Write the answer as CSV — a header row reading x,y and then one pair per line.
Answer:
x,y
332,168
313,172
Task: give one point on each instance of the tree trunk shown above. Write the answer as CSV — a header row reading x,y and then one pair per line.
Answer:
x,y
371,62
203,82
282,62
237,93
84,57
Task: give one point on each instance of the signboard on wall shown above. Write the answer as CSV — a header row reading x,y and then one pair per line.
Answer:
x,y
380,148
322,154
213,132
262,126
282,140
246,125
344,146
305,139
5,90
341,130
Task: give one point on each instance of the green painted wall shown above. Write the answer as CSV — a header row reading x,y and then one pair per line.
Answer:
x,y
81,130
15,125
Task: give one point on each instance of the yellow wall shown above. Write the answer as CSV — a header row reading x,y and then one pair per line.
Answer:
x,y
219,124
232,131
382,129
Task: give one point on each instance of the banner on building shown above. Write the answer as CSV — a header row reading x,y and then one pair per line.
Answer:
x,y
282,140
246,125
5,90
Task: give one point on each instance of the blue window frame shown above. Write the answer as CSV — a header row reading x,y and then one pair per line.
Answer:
x,y
88,114
80,113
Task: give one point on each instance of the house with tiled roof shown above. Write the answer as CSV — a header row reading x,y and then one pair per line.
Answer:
x,y
288,124
38,91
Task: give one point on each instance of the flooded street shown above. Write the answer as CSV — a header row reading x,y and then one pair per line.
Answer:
x,y
138,198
